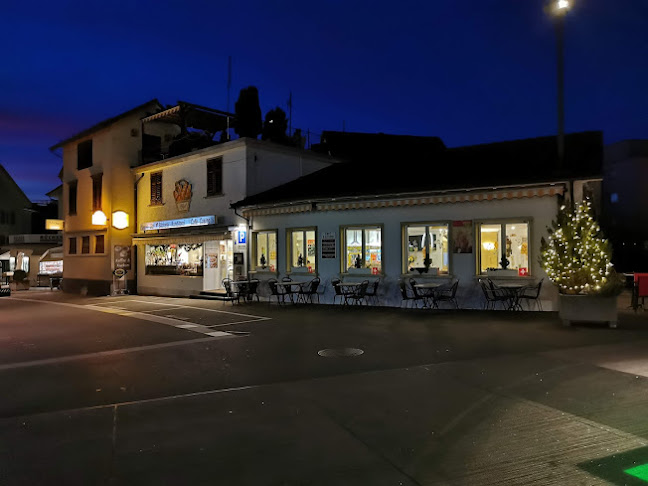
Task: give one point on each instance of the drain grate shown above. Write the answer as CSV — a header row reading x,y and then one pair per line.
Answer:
x,y
340,352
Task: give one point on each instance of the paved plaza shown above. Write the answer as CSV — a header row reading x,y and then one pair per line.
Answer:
x,y
152,390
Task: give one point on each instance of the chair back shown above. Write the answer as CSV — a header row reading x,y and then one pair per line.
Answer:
x,y
453,289
491,284
286,279
314,284
414,289
252,286
488,292
272,283
362,290
227,284
537,288
335,282
403,290
373,289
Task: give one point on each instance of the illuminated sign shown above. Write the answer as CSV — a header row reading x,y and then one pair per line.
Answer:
x,y
120,219
179,223
241,237
53,224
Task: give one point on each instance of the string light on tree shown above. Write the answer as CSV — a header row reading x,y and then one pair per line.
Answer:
x,y
576,257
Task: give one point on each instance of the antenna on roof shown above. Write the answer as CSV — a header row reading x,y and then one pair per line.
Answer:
x,y
229,80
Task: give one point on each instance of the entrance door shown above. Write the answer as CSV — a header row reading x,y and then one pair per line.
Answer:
x,y
218,264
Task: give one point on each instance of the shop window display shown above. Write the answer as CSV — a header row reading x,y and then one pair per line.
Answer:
x,y
303,251
427,249
266,251
510,240
175,259
363,249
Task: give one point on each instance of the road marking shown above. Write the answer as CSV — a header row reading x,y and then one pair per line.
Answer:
x,y
232,323
112,352
187,326
258,318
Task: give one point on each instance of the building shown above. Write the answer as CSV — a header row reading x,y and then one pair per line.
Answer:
x,y
14,215
440,215
625,203
152,186
189,239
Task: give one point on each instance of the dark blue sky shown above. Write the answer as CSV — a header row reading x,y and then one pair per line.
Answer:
x,y
467,71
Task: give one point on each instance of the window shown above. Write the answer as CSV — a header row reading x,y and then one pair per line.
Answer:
x,y
85,244
426,248
96,192
302,250
215,176
363,248
99,244
265,251
156,188
504,239
72,246
72,198
84,155
174,259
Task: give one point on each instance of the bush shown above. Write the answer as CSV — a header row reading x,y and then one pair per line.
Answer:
x,y
19,276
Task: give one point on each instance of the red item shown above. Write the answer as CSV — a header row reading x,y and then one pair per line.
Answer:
x,y
642,283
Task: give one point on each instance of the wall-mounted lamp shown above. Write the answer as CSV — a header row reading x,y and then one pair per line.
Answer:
x,y
99,218
120,220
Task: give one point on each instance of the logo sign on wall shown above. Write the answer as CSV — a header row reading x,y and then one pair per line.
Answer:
x,y
182,195
178,223
122,256
328,246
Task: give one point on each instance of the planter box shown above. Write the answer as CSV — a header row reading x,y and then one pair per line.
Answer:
x,y
502,273
588,308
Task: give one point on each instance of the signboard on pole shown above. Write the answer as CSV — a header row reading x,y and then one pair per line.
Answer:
x,y
329,247
122,256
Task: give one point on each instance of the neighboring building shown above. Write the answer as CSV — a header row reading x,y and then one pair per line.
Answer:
x,y
15,217
625,203
189,239
440,215
96,176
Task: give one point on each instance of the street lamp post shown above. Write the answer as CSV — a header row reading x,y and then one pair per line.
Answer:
x,y
559,9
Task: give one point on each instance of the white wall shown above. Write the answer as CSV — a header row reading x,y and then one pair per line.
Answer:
x,y
539,210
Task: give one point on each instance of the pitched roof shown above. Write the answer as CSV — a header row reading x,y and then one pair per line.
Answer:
x,y
12,182
517,162
105,123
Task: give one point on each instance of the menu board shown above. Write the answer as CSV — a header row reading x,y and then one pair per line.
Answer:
x,y
122,254
329,246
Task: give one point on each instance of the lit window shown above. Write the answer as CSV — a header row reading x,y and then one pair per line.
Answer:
x,y
499,240
302,250
266,251
156,188
426,248
363,248
174,259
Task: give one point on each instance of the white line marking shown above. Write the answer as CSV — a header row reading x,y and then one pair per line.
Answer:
x,y
175,317
99,354
208,310
218,333
232,323
187,326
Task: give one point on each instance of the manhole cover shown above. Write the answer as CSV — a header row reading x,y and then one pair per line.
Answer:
x,y
340,352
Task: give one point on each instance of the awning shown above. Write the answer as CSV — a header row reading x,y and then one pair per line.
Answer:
x,y
52,255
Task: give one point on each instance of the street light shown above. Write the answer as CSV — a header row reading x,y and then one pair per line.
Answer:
x,y
559,9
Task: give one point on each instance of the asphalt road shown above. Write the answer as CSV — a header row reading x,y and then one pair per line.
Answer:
x,y
149,390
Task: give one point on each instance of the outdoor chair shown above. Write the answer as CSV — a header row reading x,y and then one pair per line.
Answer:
x,y
530,294
357,297
231,294
252,289
308,290
372,292
275,292
407,297
418,295
335,282
493,295
446,294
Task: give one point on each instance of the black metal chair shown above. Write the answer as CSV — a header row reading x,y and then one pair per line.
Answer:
x,y
308,290
372,292
530,294
446,294
419,296
493,295
232,295
275,292
335,282
252,289
357,297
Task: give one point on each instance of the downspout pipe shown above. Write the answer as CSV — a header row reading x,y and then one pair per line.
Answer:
x,y
136,231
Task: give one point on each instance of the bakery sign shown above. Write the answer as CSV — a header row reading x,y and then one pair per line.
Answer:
x,y
178,223
182,195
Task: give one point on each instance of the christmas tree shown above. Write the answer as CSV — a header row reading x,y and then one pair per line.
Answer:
x,y
576,256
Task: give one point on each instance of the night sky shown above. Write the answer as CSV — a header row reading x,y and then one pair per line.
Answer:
x,y
467,71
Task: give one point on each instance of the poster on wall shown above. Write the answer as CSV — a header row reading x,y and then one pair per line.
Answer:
x,y
462,236
122,256
212,260
328,246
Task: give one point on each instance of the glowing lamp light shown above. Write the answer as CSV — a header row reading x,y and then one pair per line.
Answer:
x,y
562,4
120,219
488,245
99,218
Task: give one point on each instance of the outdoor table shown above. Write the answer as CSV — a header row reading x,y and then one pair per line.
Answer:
x,y
243,286
348,289
288,288
428,291
514,289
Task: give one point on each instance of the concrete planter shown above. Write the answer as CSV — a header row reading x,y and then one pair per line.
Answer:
x,y
588,308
